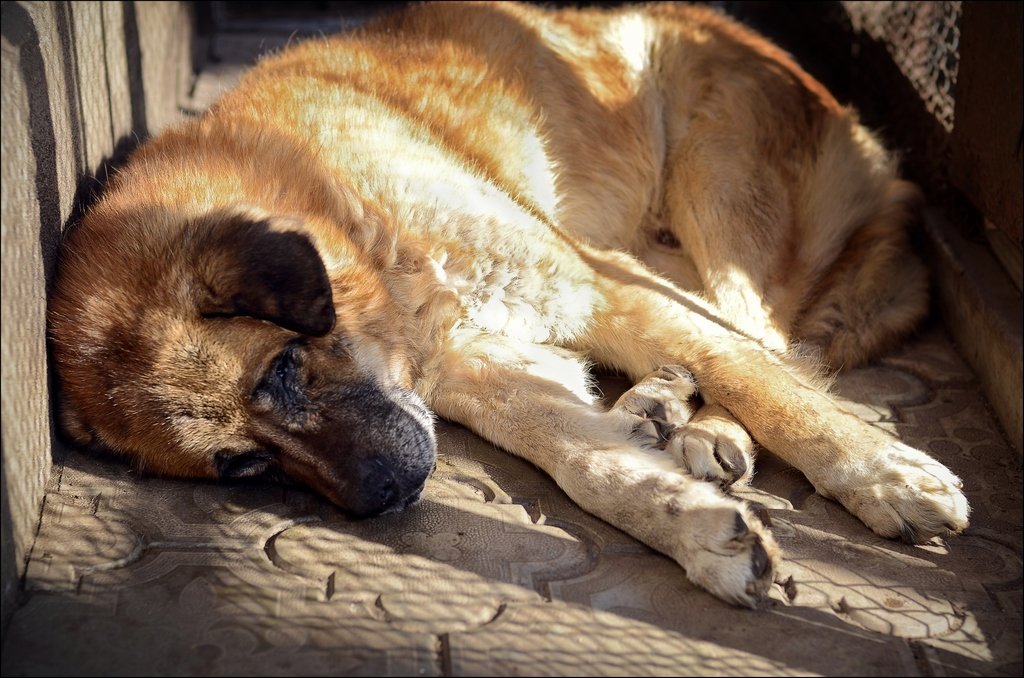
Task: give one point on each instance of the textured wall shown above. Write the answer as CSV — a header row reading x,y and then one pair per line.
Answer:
x,y
82,82
987,140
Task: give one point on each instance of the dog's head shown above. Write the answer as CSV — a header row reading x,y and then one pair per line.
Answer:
x,y
219,347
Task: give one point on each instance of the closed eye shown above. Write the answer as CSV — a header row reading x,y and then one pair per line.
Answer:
x,y
235,465
281,385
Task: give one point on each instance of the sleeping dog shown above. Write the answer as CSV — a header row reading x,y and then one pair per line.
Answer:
x,y
458,210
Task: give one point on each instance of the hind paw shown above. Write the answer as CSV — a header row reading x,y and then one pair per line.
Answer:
x,y
902,493
714,446
655,407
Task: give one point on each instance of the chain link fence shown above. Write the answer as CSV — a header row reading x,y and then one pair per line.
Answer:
x,y
923,39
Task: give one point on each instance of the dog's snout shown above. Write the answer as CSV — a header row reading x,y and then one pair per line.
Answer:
x,y
372,450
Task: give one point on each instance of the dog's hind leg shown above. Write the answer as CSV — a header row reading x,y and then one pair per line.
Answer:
x,y
643,322
875,293
529,400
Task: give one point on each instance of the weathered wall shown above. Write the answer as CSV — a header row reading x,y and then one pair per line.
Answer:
x,y
82,82
988,140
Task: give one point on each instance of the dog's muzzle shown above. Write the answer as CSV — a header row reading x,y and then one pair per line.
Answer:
x,y
372,452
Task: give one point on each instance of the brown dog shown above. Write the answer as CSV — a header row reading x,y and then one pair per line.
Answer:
x,y
436,210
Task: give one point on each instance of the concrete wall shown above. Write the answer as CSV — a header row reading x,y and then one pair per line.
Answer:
x,y
82,83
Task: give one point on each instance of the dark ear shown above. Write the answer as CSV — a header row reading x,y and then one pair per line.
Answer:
x,y
244,267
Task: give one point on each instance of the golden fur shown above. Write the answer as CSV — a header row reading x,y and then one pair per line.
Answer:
x,y
460,207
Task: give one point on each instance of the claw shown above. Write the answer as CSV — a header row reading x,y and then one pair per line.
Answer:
x,y
788,587
741,526
759,559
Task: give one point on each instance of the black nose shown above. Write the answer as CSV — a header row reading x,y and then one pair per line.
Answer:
x,y
378,487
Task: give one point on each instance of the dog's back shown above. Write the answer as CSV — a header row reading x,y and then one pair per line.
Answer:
x,y
665,130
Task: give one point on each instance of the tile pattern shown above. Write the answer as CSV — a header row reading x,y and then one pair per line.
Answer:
x,y
496,572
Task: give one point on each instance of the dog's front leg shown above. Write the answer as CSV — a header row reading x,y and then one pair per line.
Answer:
x,y
533,401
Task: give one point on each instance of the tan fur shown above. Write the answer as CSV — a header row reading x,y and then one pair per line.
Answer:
x,y
461,207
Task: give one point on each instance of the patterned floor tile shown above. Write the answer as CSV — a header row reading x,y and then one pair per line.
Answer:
x,y
496,572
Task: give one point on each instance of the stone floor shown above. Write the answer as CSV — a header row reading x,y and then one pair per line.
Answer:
x,y
496,572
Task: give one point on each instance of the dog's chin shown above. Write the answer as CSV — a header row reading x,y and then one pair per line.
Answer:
x,y
410,500
414,497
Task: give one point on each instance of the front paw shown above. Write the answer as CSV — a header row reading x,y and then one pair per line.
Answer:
x,y
732,555
904,493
